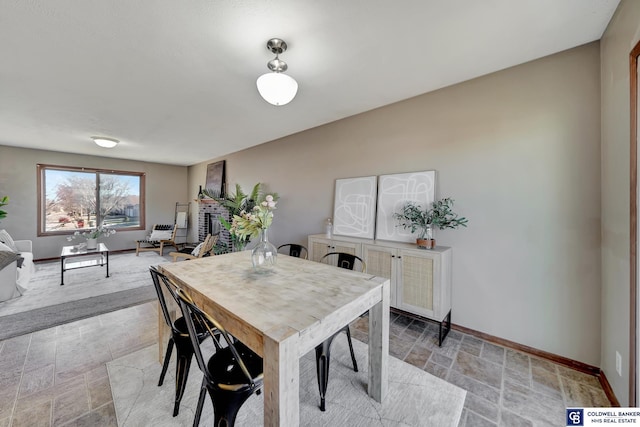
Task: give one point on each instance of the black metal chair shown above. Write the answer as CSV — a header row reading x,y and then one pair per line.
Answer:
x,y
293,249
231,375
323,351
179,337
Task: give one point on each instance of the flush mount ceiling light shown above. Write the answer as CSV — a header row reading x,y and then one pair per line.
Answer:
x,y
105,142
276,87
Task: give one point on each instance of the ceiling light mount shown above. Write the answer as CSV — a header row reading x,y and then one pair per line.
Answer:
x,y
105,142
277,46
277,88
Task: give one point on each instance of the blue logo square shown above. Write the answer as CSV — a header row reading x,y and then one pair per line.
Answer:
x,y
575,417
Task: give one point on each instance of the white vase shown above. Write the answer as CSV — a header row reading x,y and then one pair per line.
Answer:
x,y
92,243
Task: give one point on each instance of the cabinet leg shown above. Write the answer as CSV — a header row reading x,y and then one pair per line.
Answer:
x,y
447,327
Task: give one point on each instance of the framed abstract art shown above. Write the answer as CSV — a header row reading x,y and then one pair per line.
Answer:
x,y
393,192
354,208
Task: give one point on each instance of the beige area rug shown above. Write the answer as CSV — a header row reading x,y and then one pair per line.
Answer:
x,y
86,292
415,397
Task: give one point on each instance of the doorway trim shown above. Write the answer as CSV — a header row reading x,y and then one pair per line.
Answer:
x,y
634,57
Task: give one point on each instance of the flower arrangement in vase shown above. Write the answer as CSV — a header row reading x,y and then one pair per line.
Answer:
x,y
236,203
256,223
251,224
93,235
416,218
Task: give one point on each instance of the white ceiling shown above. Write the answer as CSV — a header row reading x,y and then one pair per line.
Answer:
x,y
174,81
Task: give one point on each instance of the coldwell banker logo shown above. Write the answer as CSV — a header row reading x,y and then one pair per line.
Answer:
x,y
574,417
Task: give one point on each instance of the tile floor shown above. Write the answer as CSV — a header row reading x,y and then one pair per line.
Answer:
x,y
58,377
504,387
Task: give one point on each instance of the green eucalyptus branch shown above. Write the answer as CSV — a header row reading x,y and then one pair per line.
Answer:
x,y
416,218
3,202
442,215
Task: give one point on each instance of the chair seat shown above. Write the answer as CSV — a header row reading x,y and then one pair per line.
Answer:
x,y
180,326
185,250
225,371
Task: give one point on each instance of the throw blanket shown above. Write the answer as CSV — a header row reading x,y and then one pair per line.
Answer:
x,y
7,258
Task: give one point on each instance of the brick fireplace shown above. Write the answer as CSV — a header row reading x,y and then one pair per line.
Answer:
x,y
209,212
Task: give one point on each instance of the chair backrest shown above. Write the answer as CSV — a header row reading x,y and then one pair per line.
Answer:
x,y
160,280
344,260
208,245
293,249
173,233
198,319
165,227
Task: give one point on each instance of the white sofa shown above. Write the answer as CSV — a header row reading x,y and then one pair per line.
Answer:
x,y
13,280
25,247
9,287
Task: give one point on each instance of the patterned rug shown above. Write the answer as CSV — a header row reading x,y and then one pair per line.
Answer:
x,y
415,397
86,292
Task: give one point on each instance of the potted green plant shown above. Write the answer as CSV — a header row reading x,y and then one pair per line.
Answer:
x,y
3,202
238,204
422,220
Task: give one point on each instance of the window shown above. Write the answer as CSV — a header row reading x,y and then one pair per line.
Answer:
x,y
76,199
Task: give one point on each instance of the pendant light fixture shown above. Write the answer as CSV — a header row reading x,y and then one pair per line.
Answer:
x,y
276,87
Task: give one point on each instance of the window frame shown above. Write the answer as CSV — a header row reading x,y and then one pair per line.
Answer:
x,y
42,168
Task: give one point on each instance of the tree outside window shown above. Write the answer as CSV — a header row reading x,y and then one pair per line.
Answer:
x,y
79,199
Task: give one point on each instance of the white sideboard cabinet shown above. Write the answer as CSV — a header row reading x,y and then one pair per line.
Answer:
x,y
420,278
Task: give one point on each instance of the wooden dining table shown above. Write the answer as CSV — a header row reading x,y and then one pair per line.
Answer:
x,y
286,312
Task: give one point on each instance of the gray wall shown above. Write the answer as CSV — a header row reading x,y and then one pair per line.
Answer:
x,y
519,151
620,37
165,185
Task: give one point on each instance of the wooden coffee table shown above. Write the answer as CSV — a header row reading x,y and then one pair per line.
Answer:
x,y
90,258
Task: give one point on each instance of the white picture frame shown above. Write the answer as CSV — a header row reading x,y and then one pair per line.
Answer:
x,y
393,192
354,207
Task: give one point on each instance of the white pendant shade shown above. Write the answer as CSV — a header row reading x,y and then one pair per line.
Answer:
x,y
277,88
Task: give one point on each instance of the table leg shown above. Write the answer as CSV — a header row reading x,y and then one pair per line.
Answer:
x,y
107,264
379,347
281,382
61,271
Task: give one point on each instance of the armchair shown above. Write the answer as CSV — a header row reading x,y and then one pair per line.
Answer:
x,y
202,250
161,235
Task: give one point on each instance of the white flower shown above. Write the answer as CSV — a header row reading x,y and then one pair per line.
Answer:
x,y
271,204
269,198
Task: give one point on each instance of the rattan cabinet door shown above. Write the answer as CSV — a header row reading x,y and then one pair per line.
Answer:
x,y
381,261
424,282
415,282
320,246
347,247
